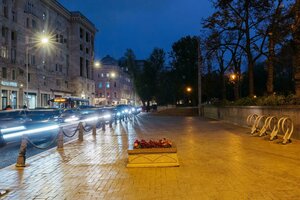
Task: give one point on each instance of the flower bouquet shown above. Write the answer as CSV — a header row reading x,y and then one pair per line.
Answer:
x,y
143,144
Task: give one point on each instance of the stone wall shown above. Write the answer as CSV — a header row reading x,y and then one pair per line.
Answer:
x,y
238,114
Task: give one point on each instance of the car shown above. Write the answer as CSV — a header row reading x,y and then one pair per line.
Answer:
x,y
34,123
123,111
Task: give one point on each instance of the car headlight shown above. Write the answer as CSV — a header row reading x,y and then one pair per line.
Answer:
x,y
107,116
71,119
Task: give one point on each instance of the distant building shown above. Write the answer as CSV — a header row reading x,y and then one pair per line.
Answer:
x,y
62,68
113,84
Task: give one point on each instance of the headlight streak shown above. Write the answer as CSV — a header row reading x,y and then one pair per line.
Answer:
x,y
18,128
30,131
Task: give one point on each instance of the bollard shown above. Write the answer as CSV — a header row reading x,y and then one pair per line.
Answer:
x,y
60,140
22,153
94,130
80,134
103,126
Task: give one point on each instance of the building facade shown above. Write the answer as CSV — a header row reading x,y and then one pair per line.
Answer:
x,y
113,84
32,72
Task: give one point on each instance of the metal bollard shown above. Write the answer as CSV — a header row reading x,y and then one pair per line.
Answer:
x,y
94,130
103,126
60,140
80,134
22,153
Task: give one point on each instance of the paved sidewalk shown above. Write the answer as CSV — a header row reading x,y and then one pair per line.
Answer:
x,y
217,161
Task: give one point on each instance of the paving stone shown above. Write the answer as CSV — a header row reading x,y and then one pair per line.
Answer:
x,y
217,161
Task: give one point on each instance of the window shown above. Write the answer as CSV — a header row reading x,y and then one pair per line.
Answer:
x,y
115,84
81,66
87,37
34,26
29,77
13,55
100,85
27,22
57,82
67,84
5,11
102,75
87,63
87,51
4,72
115,95
81,47
61,37
107,85
56,67
44,16
13,75
4,31
4,52
33,59
56,38
13,35
81,32
14,16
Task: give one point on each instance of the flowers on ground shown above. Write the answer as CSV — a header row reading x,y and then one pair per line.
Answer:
x,y
163,143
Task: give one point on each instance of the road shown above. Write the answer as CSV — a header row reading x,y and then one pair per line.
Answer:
x,y
9,152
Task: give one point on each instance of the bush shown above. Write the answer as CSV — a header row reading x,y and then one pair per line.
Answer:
x,y
272,100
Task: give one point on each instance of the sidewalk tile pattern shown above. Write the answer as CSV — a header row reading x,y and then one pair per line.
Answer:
x,y
217,161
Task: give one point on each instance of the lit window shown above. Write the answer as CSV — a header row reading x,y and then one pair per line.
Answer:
x,y
100,85
107,85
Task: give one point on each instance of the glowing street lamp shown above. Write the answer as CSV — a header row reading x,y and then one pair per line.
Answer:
x,y
97,64
189,89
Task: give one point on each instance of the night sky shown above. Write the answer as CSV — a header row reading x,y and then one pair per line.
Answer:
x,y
140,24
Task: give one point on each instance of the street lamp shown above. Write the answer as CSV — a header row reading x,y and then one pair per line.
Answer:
x,y
43,40
97,64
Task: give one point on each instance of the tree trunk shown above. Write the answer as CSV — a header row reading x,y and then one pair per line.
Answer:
x,y
270,63
248,51
297,45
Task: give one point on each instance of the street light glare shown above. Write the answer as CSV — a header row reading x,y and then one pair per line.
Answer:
x,y
45,40
188,89
113,74
97,64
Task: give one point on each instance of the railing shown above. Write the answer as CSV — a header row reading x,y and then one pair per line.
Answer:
x,y
271,127
59,137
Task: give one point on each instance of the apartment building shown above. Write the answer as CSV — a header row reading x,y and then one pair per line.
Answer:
x,y
33,71
113,84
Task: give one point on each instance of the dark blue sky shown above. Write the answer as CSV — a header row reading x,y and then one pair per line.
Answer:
x,y
140,24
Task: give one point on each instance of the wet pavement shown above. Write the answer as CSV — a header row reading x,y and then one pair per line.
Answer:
x,y
217,161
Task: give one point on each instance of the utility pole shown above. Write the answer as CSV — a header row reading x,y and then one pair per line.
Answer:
x,y
199,78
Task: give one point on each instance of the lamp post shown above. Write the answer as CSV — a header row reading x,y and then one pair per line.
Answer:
x,y
188,90
199,78
44,40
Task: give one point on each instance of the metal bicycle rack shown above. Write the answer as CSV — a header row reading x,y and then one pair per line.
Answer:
x,y
270,125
